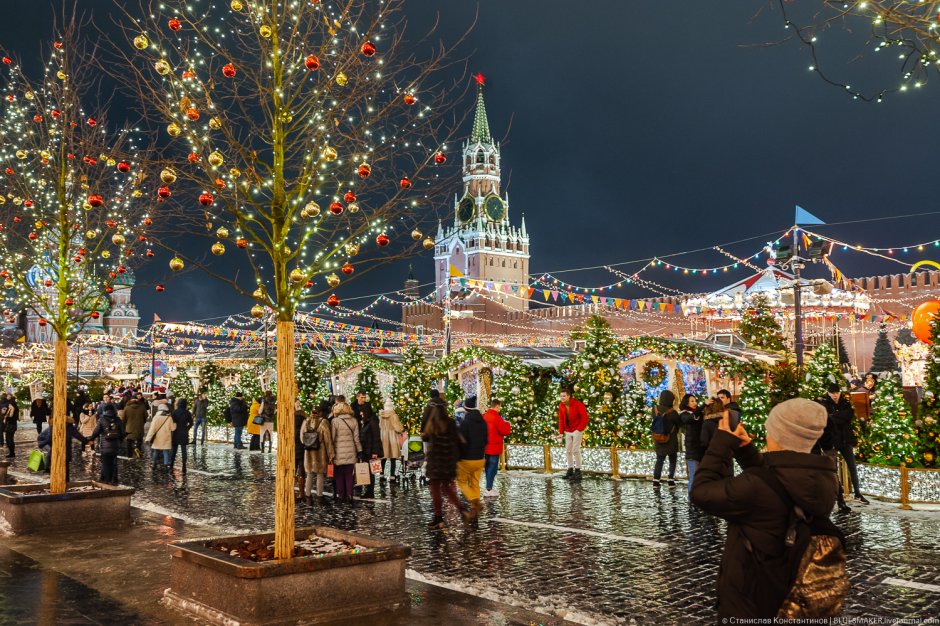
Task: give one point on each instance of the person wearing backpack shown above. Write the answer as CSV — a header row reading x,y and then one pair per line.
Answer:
x,y
777,511
316,441
110,434
665,430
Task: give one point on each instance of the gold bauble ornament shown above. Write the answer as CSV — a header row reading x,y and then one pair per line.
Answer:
x,y
21,154
329,153
258,293
428,243
312,209
215,123
168,176
234,172
90,234
287,117
61,75
44,154
296,275
265,31
352,249
137,193
118,239
8,284
111,162
29,95
353,207
218,249
416,234
222,233
215,159
105,254
341,79
162,67
174,130
332,280
141,42
237,5
176,264
257,311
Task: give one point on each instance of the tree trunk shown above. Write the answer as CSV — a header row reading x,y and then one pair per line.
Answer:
x,y
284,486
59,400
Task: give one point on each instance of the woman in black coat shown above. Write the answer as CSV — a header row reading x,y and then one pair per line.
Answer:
x,y
39,412
184,421
670,448
110,433
9,416
691,417
443,452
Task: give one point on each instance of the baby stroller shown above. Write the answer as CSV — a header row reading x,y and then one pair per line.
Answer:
x,y
412,461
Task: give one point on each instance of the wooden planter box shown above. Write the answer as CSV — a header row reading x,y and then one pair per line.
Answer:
x,y
221,589
106,506
4,476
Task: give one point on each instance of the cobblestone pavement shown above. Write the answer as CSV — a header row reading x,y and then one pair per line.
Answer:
x,y
593,551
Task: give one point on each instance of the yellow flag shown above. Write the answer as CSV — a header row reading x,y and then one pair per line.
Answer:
x,y
455,272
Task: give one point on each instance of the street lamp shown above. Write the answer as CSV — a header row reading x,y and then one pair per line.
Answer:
x,y
789,254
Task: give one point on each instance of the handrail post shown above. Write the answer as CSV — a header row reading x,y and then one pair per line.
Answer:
x,y
614,463
547,458
504,460
905,489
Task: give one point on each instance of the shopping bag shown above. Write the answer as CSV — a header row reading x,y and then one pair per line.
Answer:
x,y
376,466
329,471
362,474
37,461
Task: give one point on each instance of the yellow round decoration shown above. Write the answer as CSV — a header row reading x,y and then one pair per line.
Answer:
x,y
311,210
141,42
215,123
296,275
215,159
61,75
21,154
168,176
258,293
353,207
332,280
236,5
234,172
265,31
174,130
257,311
162,67
218,249
176,264
341,79
8,284
105,254
416,234
118,239
222,233
428,243
329,153
352,249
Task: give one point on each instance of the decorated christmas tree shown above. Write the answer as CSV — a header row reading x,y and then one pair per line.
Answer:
x,y
181,386
821,371
890,438
595,375
758,326
366,381
411,390
844,361
636,418
883,359
928,416
218,398
76,211
311,386
754,401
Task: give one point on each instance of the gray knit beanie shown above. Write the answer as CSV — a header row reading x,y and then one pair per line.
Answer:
x,y
796,424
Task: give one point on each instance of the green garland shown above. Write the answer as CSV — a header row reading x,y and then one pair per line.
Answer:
x,y
723,364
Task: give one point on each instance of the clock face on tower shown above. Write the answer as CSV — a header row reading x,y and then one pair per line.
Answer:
x,y
465,209
494,208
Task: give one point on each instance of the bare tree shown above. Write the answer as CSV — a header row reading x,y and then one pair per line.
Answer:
x,y
73,211
306,133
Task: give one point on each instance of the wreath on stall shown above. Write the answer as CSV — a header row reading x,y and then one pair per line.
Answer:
x,y
654,374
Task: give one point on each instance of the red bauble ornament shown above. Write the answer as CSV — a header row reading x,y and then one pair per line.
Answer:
x,y
111,223
28,204
193,157
89,160
149,254
33,236
112,274
160,288
95,315
312,63
92,122
382,240
242,243
17,219
188,75
122,269
193,114
333,301
7,61
124,167
220,183
128,252
141,238
9,171
336,208
349,197
148,221
163,192
77,259
347,268
69,302
206,199
368,49
440,158
42,322
365,170
410,99
308,284
175,24
37,118
56,113
405,183
57,45
47,282
228,70
95,200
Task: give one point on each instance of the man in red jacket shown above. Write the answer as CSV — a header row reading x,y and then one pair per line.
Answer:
x,y
497,428
572,420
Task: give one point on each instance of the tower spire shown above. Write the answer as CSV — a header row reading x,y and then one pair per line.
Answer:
x,y
481,126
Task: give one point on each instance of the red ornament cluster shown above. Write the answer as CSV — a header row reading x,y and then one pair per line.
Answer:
x,y
174,24
95,200
312,63
206,199
382,240
368,49
336,208
333,301
228,70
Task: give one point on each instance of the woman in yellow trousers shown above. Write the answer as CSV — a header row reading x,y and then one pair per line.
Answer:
x,y
470,468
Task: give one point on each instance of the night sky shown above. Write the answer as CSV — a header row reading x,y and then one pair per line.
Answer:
x,y
646,128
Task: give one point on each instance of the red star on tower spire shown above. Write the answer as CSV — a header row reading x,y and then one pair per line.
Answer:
x,y
480,78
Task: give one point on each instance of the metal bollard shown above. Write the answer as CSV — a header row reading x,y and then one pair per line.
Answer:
x,y
504,460
905,489
547,457
614,464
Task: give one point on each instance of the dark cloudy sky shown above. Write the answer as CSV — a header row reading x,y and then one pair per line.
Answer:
x,y
643,128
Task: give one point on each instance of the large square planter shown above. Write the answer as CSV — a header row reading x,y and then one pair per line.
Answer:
x,y
106,506
222,589
4,473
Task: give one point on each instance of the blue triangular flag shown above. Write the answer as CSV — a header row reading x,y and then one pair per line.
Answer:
x,y
805,218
